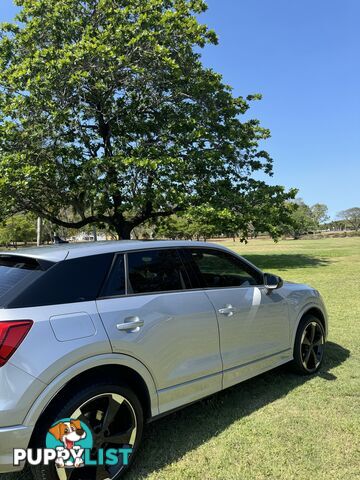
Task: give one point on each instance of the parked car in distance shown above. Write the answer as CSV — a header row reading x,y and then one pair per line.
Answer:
x,y
119,333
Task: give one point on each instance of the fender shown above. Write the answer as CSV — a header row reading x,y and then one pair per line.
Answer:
x,y
320,306
106,359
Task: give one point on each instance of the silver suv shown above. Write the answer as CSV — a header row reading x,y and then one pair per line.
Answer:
x,y
97,339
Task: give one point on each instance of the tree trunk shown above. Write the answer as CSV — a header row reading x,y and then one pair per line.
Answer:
x,y
95,233
39,231
123,230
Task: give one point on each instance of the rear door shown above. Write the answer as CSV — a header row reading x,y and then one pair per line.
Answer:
x,y
150,313
253,323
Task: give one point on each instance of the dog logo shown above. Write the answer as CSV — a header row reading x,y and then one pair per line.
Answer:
x,y
69,437
69,444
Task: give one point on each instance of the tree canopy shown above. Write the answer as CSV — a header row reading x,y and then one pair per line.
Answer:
x,y
206,221
352,217
319,212
304,218
107,110
18,228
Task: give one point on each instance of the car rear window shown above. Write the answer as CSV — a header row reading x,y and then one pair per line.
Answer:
x,y
68,281
16,273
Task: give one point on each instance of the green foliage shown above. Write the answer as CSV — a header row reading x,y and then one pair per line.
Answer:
x,y
107,110
194,223
319,213
302,220
18,228
351,217
206,221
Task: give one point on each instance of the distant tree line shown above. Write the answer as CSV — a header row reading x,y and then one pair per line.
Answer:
x,y
297,220
350,218
196,223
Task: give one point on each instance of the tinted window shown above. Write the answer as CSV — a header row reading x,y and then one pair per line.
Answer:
x,y
16,272
156,271
219,269
69,281
115,284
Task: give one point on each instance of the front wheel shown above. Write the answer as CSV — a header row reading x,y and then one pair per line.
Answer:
x,y
100,418
309,345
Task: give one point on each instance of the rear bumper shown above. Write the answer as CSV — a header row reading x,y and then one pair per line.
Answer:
x,y
10,438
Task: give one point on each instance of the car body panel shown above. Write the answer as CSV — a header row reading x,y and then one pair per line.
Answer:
x,y
77,369
257,328
18,392
178,341
41,343
13,437
302,298
172,398
251,369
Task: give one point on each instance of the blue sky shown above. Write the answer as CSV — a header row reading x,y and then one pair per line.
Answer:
x,y
303,56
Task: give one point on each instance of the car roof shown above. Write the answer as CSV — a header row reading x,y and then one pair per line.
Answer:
x,y
56,253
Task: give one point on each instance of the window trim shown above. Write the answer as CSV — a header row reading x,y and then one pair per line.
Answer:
x,y
126,273
241,260
190,274
108,275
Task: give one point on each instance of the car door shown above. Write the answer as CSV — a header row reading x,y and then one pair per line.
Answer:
x,y
253,322
151,314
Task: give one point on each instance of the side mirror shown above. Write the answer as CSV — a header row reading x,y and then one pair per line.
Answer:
x,y
272,282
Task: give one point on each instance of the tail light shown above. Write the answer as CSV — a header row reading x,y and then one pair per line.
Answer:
x,y
11,335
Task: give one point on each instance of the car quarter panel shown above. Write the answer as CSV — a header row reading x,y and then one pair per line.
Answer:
x,y
17,436
61,336
18,391
85,365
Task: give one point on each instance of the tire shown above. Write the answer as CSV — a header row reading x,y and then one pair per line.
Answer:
x,y
309,346
110,412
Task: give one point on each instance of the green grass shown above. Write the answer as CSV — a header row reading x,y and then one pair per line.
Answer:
x,y
278,425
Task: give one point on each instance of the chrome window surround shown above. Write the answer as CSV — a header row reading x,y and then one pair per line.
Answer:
x,y
194,289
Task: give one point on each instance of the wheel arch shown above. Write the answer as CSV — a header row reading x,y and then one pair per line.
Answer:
x,y
316,312
311,309
121,368
113,373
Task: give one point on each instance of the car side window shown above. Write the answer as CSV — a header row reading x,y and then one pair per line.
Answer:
x,y
156,271
115,284
69,281
218,269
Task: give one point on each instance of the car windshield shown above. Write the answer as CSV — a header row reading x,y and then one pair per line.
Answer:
x,y
16,272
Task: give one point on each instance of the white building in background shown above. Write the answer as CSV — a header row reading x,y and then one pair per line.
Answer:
x,y
88,237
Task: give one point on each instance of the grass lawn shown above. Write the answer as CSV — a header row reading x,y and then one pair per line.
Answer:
x,y
278,425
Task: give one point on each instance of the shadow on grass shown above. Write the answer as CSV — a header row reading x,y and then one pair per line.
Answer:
x,y
168,439
283,261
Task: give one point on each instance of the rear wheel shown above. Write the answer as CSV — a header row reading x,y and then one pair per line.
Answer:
x,y
114,417
309,345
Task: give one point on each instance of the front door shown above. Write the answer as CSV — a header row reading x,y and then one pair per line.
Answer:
x,y
253,323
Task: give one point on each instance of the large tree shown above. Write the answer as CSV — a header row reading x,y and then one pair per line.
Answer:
x,y
302,220
351,216
319,212
107,110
